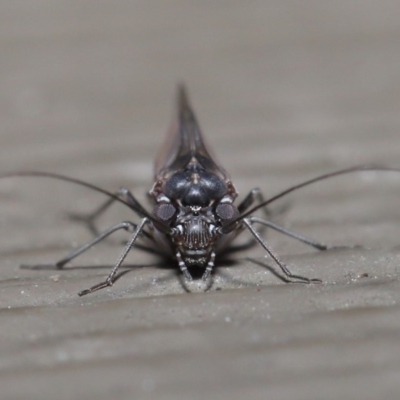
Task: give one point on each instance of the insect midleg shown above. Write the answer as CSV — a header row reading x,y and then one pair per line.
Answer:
x,y
272,254
287,232
111,276
256,195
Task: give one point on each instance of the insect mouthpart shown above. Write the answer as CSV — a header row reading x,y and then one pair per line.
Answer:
x,y
195,209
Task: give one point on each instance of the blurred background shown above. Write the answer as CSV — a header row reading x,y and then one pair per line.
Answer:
x,y
284,90
83,76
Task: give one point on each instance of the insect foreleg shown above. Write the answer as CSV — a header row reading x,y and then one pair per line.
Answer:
x,y
272,254
210,266
111,277
183,267
287,232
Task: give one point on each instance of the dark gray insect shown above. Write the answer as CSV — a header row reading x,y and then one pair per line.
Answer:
x,y
194,217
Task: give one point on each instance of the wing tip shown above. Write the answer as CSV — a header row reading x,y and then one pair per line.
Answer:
x,y
184,107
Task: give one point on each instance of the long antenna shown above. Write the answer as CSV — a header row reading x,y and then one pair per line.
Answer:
x,y
311,181
133,206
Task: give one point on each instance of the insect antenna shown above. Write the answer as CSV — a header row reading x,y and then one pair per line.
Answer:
x,y
309,182
135,206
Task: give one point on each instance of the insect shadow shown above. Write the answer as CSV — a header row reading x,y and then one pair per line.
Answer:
x,y
194,217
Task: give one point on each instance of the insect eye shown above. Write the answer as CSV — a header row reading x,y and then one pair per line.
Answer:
x,y
164,212
227,212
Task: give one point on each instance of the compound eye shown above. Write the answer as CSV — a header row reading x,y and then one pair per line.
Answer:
x,y
227,212
164,212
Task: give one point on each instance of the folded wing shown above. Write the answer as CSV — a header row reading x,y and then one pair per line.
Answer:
x,y
185,143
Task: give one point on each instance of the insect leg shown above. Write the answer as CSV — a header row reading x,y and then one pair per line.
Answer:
x,y
128,226
111,277
210,266
281,265
294,235
256,195
89,219
183,267
253,196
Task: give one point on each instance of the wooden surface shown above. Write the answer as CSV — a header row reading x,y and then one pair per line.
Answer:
x,y
284,91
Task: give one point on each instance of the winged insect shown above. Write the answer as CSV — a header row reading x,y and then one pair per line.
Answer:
x,y
194,217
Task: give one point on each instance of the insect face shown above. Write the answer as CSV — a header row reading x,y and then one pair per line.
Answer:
x,y
194,203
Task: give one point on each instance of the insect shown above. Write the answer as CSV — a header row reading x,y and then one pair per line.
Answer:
x,y
194,217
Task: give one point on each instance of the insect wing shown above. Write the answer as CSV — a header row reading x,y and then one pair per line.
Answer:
x,y
185,143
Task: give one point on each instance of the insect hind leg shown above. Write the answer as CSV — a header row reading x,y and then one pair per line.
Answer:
x,y
272,254
109,281
126,225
